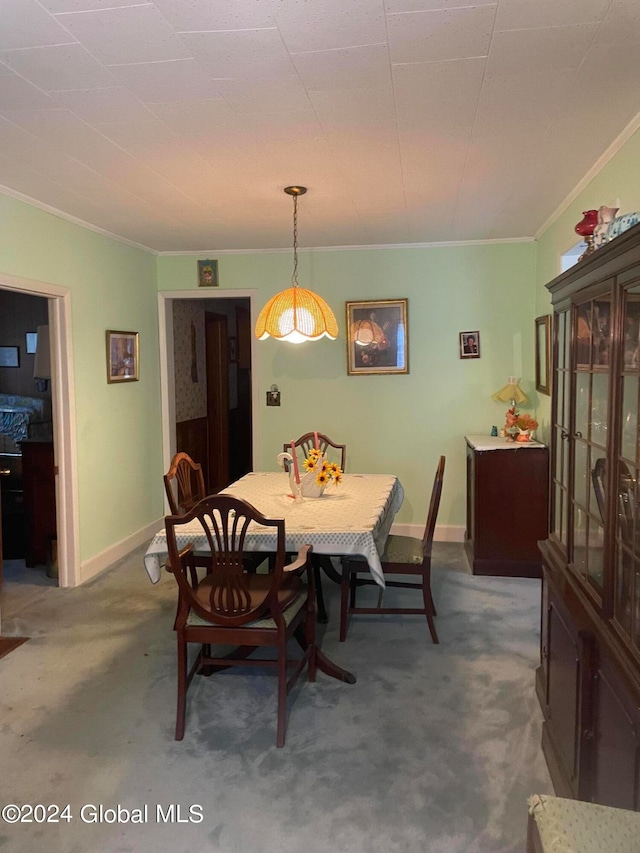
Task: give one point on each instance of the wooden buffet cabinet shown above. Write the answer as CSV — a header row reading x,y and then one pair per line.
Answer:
x,y
502,533
588,681
39,484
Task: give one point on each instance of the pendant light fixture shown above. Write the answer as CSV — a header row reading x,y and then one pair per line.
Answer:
x,y
296,314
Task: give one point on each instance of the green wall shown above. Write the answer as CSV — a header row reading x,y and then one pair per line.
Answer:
x,y
398,424
113,286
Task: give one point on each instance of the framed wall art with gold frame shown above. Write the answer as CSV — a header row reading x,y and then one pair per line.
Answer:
x,y
377,337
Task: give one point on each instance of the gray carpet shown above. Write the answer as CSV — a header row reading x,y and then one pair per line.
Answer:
x,y
434,750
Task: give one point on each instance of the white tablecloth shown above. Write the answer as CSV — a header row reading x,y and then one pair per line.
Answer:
x,y
352,518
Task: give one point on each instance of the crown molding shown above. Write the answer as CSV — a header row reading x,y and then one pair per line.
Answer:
x,y
600,163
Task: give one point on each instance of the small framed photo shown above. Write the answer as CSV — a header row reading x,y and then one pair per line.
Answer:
x,y
9,357
207,274
233,350
123,356
377,337
469,344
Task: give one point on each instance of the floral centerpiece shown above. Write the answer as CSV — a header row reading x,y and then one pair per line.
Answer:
x,y
518,427
326,472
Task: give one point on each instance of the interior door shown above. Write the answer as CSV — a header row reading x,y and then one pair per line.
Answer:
x,y
217,354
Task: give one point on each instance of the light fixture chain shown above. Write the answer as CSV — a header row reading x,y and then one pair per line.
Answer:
x,y
294,277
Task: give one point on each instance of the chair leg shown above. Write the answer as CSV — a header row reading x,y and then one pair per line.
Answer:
x,y
182,688
344,601
322,612
282,691
429,608
310,633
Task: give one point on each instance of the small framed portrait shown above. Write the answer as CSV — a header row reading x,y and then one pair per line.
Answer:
x,y
469,344
122,356
207,273
378,337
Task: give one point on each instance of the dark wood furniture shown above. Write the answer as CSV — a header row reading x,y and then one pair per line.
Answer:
x,y
507,506
588,681
307,442
184,483
39,487
403,555
229,606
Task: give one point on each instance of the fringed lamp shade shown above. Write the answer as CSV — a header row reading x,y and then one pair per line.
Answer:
x,y
511,393
296,315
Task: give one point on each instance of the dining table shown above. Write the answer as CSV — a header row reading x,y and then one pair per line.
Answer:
x,y
350,519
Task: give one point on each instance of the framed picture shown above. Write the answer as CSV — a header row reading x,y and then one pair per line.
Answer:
x,y
469,343
233,350
9,357
543,354
123,356
377,337
31,339
207,273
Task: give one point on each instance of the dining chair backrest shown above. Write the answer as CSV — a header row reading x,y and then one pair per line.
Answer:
x,y
184,483
307,442
434,505
227,597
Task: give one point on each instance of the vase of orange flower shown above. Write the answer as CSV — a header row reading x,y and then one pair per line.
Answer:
x,y
319,474
519,427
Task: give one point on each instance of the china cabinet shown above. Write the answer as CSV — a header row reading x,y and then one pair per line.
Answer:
x,y
588,681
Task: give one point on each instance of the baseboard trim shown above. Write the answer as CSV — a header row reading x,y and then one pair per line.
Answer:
x,y
443,532
94,566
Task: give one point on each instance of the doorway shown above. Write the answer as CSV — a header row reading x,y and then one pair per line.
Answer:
x,y
209,399
58,301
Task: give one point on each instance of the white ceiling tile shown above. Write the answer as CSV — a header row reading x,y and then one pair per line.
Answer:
x,y
57,6
523,14
621,24
429,5
216,14
16,93
125,34
440,35
263,95
245,53
95,106
327,24
531,50
345,68
354,109
438,95
58,67
181,80
24,23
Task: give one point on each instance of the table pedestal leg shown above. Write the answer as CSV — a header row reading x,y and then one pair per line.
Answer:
x,y
324,663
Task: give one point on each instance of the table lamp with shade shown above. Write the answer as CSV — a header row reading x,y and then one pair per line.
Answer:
x,y
517,427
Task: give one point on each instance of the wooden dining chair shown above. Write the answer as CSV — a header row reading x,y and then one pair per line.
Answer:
x,y
403,555
184,483
229,606
307,442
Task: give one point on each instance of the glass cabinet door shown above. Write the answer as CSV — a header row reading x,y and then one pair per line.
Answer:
x,y
589,441
561,408
626,584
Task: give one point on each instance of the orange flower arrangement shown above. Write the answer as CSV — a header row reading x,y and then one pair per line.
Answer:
x,y
517,425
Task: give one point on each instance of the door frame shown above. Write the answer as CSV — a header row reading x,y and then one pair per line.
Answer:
x,y
167,371
63,416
